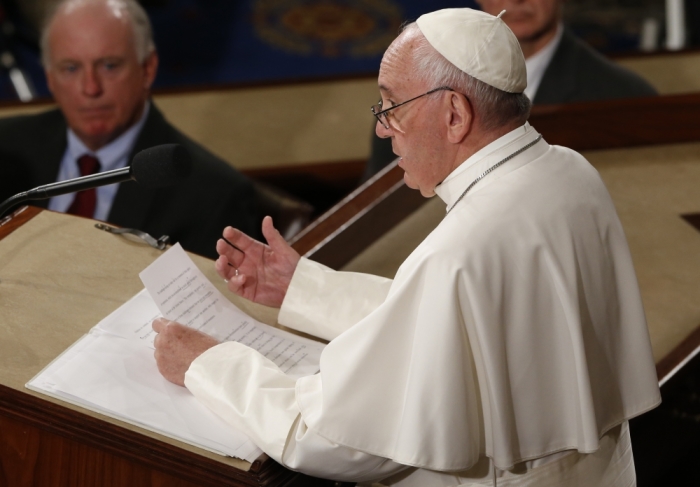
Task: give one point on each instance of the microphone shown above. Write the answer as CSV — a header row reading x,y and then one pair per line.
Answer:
x,y
154,167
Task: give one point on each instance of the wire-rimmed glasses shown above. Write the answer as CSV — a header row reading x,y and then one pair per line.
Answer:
x,y
379,113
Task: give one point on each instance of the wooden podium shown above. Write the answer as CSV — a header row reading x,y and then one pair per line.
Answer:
x,y
58,277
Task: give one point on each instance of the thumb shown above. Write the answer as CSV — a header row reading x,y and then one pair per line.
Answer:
x,y
159,324
274,238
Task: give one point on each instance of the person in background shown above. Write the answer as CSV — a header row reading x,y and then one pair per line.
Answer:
x,y
560,67
100,62
511,347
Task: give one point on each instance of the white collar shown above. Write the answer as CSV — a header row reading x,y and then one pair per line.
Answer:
x,y
457,181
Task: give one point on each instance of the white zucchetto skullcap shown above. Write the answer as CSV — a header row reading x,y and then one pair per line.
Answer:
x,y
479,44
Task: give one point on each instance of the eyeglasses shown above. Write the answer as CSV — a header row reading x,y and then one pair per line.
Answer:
x,y
379,113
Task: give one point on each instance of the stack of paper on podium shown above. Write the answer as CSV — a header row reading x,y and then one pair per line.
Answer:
x,y
112,369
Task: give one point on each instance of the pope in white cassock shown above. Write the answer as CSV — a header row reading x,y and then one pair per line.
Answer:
x,y
511,347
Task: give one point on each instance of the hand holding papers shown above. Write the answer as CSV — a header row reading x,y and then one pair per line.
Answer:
x,y
184,295
176,348
112,370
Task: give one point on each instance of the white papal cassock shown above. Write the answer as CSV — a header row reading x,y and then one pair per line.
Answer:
x,y
513,336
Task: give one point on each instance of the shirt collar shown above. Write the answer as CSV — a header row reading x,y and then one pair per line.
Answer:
x,y
115,154
537,64
458,180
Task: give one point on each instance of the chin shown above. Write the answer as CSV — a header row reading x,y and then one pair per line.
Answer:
x,y
95,137
98,129
412,184
408,181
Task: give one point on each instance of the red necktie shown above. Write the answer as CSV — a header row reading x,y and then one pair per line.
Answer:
x,y
85,201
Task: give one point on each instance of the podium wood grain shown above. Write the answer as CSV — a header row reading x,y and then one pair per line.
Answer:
x,y
45,442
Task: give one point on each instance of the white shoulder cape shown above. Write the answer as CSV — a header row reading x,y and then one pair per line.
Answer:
x,y
515,330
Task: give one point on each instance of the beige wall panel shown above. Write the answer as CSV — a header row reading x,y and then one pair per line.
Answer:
x,y
652,187
670,74
277,126
273,126
11,111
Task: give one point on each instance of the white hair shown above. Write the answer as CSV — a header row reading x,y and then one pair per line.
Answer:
x,y
494,108
136,15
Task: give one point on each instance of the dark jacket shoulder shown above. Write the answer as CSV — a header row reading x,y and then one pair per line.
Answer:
x,y
579,73
31,147
195,211
17,129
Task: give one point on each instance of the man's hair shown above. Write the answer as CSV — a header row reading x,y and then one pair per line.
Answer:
x,y
494,108
136,15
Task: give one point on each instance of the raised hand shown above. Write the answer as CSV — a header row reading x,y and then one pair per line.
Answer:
x,y
258,272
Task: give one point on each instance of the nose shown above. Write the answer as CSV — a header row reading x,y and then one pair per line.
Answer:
x,y
92,85
381,131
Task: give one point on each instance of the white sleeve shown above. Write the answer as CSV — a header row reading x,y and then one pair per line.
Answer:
x,y
324,303
254,396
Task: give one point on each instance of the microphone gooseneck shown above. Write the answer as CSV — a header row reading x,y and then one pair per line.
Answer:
x,y
155,167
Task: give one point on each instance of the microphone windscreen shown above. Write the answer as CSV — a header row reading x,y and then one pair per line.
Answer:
x,y
161,165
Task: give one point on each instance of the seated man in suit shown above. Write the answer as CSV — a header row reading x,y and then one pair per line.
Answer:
x,y
100,61
560,67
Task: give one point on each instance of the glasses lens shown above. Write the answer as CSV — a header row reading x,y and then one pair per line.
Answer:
x,y
381,117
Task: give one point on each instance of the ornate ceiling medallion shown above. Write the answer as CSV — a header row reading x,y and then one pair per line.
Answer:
x,y
329,28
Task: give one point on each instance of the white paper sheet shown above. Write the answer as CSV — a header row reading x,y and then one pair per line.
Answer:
x,y
111,370
184,294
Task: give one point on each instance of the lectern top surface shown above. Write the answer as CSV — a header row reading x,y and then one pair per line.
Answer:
x,y
59,276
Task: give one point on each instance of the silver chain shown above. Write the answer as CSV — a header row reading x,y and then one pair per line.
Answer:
x,y
485,173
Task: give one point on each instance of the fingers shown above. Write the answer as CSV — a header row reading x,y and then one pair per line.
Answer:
x,y
224,267
226,270
237,239
237,284
233,257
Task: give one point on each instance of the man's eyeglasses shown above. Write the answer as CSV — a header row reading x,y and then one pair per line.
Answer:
x,y
382,115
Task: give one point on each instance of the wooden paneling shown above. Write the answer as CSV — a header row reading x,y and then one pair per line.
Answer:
x,y
620,123
50,444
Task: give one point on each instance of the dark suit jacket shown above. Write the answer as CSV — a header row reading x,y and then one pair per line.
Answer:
x,y
193,212
575,73
579,73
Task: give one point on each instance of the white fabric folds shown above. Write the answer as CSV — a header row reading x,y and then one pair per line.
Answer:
x,y
515,330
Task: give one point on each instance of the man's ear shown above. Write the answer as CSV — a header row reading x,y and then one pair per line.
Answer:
x,y
150,69
461,117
